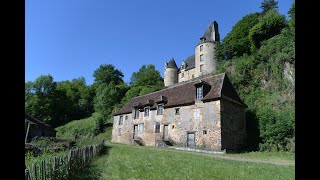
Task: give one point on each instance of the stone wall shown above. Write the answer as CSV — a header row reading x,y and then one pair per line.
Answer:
x,y
233,125
195,118
209,61
170,76
187,75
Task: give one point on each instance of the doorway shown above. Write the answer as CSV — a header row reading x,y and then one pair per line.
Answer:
x,y
165,132
191,139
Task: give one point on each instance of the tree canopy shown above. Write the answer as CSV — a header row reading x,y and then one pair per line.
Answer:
x,y
236,43
267,5
107,74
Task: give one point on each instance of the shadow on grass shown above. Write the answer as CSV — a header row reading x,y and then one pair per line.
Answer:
x,y
92,171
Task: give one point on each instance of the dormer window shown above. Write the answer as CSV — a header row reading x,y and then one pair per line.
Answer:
x,y
120,120
199,94
183,66
135,113
202,89
160,109
202,39
146,111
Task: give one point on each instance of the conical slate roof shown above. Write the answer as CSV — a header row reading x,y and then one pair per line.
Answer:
x,y
213,27
190,62
172,64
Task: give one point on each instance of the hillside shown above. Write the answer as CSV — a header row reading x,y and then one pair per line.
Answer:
x,y
264,77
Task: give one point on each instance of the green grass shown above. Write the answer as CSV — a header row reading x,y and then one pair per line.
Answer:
x,y
96,139
132,162
270,156
82,127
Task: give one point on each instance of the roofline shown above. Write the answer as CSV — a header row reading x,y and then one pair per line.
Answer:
x,y
182,83
206,42
234,101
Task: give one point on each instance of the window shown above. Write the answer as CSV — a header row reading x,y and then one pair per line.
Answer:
x,y
201,57
177,111
192,75
140,128
126,118
199,92
196,114
172,126
182,74
135,113
119,131
204,132
146,111
201,67
201,48
120,120
160,109
157,130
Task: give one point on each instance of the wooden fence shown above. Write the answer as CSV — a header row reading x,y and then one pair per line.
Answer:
x,y
63,167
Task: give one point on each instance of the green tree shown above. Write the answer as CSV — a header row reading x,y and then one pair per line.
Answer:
x,y
79,98
107,98
267,5
44,101
107,74
147,75
237,42
269,25
144,81
292,14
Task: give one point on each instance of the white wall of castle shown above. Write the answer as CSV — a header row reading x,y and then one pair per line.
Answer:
x,y
207,64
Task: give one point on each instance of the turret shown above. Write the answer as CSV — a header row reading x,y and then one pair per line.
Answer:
x,y
205,61
170,73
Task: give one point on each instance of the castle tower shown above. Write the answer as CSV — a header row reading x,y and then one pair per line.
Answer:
x,y
170,73
205,61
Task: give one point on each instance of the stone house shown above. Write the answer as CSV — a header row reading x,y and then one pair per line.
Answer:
x,y
35,127
197,108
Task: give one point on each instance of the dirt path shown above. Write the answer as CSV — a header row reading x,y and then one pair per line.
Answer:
x,y
225,156
252,160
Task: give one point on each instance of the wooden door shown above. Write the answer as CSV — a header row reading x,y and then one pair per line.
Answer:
x,y
135,131
191,140
165,132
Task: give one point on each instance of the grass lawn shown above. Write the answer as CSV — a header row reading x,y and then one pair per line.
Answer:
x,y
133,162
270,156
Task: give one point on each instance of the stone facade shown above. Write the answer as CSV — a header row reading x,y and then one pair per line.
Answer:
x,y
186,75
207,60
233,125
203,119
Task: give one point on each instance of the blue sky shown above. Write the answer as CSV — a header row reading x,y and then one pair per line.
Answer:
x,y
72,38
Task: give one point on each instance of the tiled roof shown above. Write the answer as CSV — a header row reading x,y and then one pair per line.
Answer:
x,y
37,122
190,62
172,64
184,93
208,33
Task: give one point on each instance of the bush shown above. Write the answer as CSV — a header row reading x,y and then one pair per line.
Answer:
x,y
269,25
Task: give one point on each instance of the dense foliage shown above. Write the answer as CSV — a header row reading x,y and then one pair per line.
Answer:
x,y
58,103
268,26
268,5
237,42
265,80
